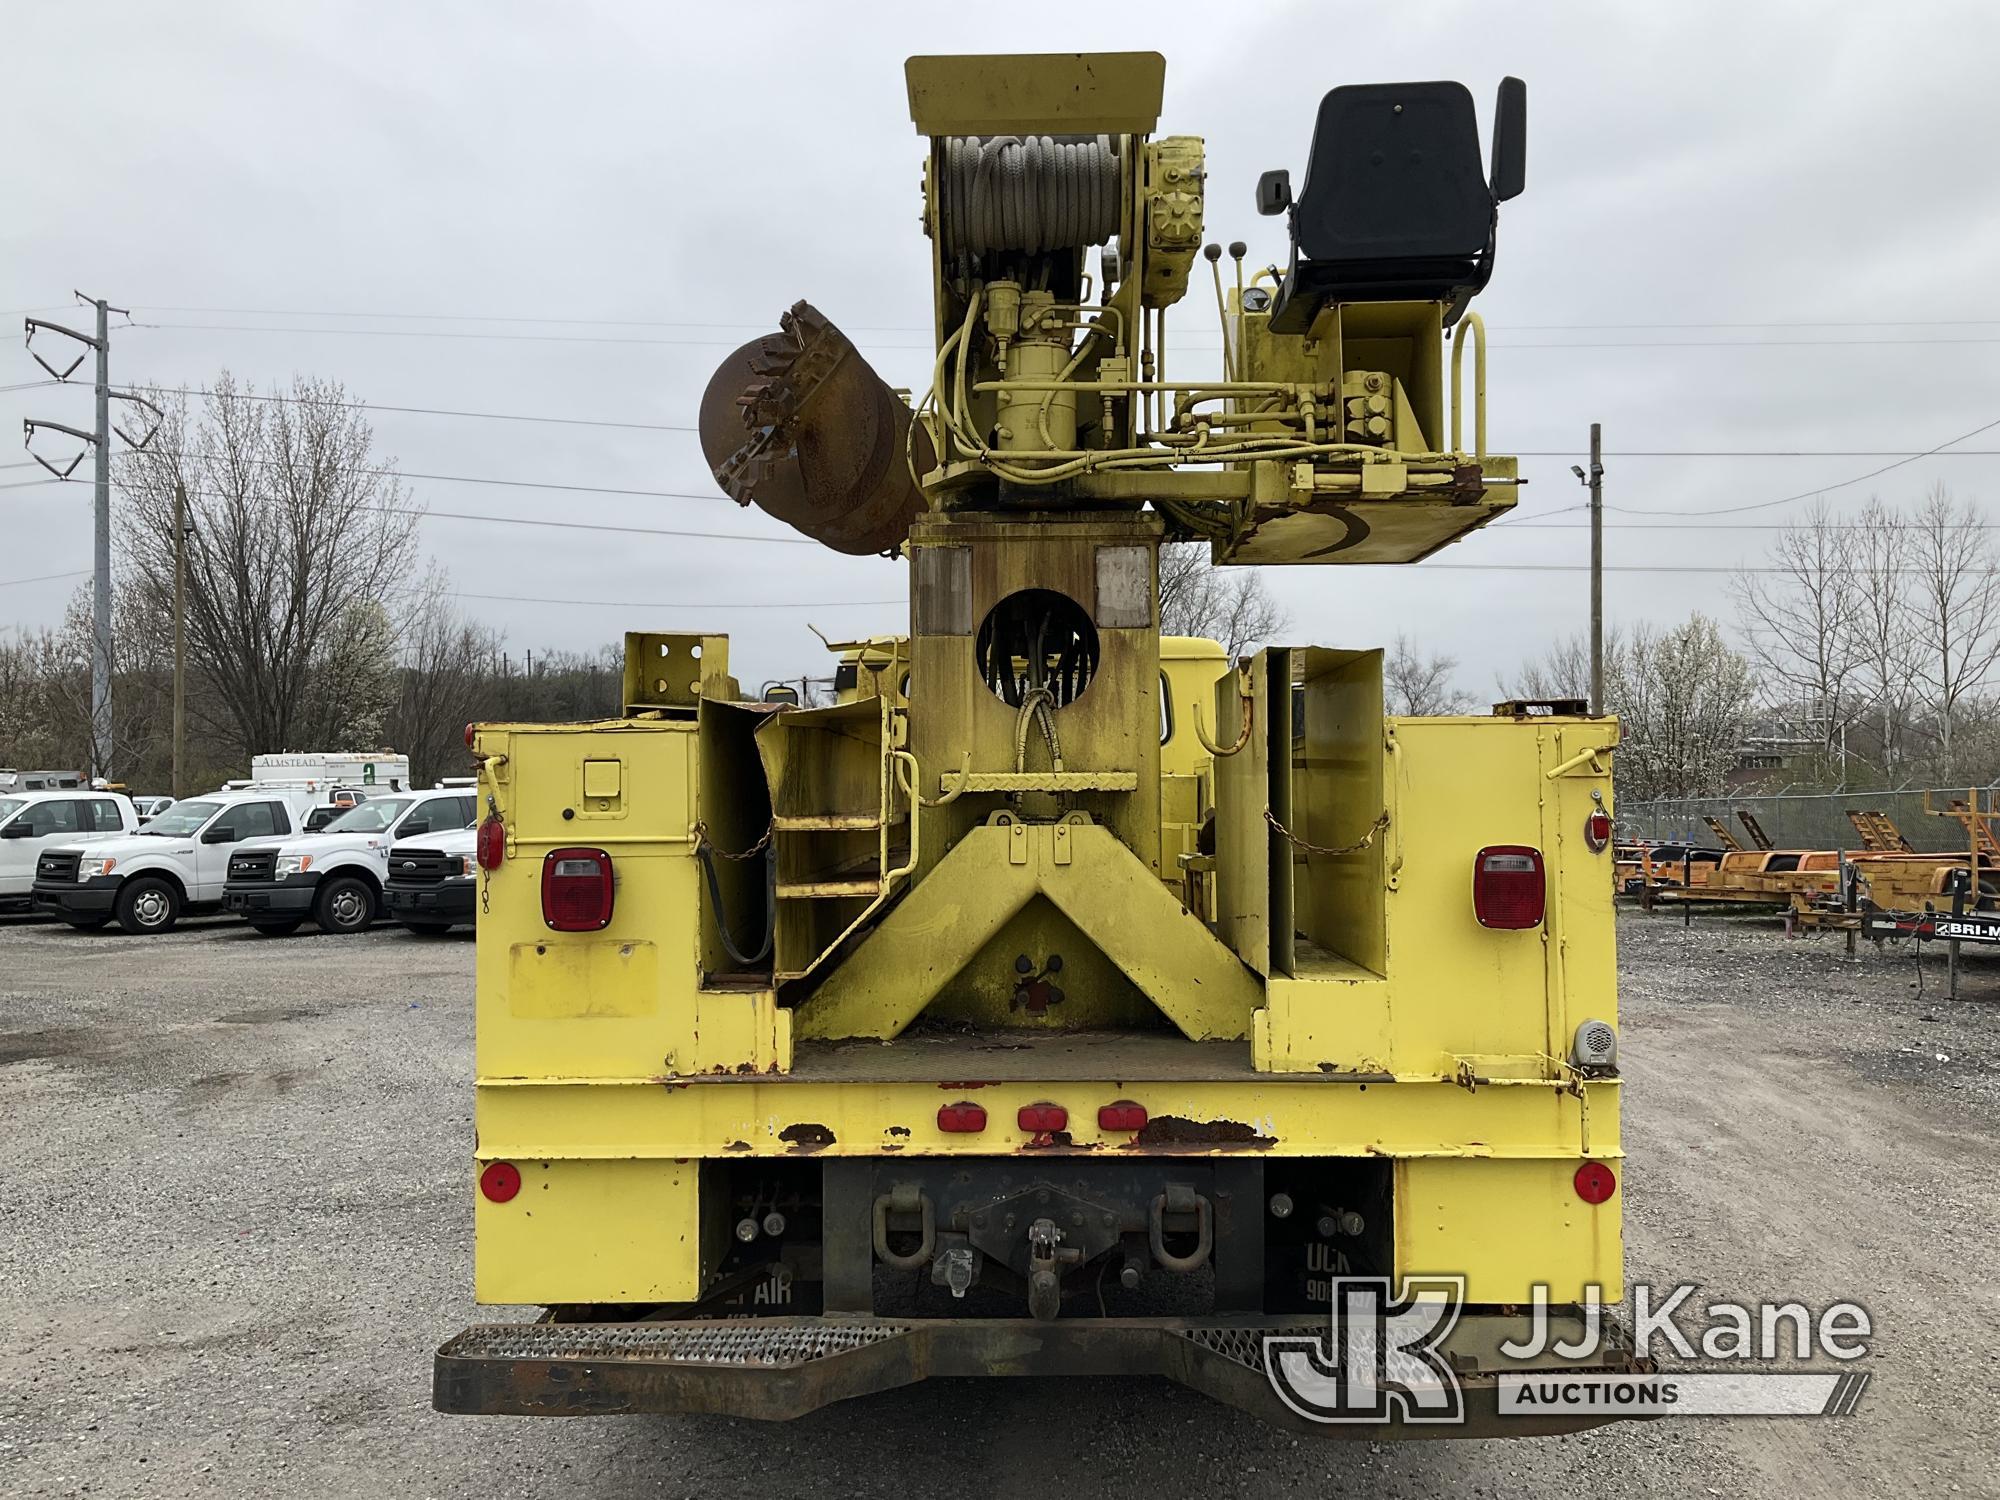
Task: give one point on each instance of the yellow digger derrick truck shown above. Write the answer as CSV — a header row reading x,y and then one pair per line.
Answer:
x,y
1062,1000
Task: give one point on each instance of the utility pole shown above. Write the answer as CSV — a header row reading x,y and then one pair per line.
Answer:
x,y
99,438
100,589
181,531
1595,480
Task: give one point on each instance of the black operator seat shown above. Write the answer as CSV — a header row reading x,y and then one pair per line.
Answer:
x,y
1396,207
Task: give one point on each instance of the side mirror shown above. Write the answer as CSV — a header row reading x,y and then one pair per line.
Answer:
x,y
222,833
18,830
1510,140
414,826
1274,193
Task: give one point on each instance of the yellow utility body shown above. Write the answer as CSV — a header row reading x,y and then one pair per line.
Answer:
x,y
1063,998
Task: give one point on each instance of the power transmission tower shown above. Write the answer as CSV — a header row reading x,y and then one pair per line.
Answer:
x,y
99,439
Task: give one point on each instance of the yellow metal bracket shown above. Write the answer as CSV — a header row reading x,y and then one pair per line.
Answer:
x,y
1588,756
1114,899
1474,325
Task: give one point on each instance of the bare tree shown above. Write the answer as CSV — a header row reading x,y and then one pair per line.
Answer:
x,y
1563,670
301,535
560,685
45,695
444,682
1882,630
1233,607
1801,622
1954,604
1418,686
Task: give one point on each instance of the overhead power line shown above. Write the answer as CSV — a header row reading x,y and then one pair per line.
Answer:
x,y
1708,530
730,343
1767,453
299,312
1622,568
433,411
500,416
442,333
682,604
1816,490
437,317
485,518
8,583
512,484
705,536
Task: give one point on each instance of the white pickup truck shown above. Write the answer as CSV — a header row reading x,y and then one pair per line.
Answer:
x,y
174,866
31,822
433,880
336,876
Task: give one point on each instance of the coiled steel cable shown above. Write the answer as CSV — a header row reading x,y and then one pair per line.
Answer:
x,y
1027,193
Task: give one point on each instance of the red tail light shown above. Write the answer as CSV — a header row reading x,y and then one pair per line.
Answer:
x,y
1507,887
962,1118
1115,1119
1595,1182
470,731
576,890
500,1181
492,843
1597,830
1042,1119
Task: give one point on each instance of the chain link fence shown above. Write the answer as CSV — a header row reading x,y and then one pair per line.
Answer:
x,y
1802,821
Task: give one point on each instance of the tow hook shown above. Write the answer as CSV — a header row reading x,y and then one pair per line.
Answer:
x,y
1180,1200
903,1200
1046,1252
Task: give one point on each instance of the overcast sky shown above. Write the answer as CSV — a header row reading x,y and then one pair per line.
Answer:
x,y
1727,206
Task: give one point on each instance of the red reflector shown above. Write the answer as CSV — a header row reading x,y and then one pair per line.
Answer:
x,y
500,1181
470,731
1597,830
492,843
1122,1116
1595,1182
576,890
1507,886
962,1118
1042,1119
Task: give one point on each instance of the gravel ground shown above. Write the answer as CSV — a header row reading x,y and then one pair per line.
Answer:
x,y
234,1226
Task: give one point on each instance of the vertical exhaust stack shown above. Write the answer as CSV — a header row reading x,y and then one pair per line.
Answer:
x,y
798,424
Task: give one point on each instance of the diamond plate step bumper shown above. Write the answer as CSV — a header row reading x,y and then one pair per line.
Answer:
x,y
776,1369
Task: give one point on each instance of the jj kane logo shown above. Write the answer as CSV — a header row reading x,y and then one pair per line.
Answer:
x,y
1384,1359
1380,1361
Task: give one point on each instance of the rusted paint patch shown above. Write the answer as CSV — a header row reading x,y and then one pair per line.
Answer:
x,y
1057,1140
1176,1130
898,1130
737,1146
968,1085
806,1136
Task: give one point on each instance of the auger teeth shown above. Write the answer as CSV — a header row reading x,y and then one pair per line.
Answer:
x,y
798,424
